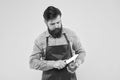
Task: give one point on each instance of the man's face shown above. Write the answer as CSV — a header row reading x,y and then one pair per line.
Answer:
x,y
55,27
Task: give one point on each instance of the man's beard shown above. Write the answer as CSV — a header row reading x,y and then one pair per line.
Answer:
x,y
56,33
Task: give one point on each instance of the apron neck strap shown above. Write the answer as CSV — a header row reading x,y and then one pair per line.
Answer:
x,y
66,37
47,41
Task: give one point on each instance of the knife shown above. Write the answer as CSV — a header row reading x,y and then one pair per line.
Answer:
x,y
71,59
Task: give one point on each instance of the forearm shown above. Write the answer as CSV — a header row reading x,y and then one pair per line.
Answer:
x,y
41,64
81,57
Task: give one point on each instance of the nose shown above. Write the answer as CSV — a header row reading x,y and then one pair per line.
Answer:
x,y
56,25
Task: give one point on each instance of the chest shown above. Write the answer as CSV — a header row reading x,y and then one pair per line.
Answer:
x,y
57,41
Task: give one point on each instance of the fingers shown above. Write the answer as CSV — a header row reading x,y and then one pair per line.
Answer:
x,y
59,64
77,64
62,65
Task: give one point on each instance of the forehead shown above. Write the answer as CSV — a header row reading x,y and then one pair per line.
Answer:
x,y
57,19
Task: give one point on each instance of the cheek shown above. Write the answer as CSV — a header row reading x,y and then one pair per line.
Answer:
x,y
51,27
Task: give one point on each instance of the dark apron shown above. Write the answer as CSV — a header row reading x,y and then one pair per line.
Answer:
x,y
58,52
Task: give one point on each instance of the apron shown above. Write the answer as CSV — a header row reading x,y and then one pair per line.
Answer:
x,y
58,52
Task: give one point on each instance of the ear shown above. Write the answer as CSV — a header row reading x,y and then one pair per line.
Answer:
x,y
45,21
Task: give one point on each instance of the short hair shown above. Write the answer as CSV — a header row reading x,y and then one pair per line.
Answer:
x,y
51,13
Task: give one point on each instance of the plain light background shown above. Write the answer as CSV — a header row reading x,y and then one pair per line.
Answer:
x,y
96,22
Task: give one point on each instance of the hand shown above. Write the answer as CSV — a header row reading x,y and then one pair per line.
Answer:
x,y
77,63
71,67
59,64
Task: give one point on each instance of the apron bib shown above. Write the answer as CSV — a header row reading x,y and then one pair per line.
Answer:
x,y
59,52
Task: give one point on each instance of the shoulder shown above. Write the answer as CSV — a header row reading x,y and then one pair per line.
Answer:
x,y
71,35
69,32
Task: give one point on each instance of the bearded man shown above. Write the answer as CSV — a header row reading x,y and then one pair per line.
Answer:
x,y
54,46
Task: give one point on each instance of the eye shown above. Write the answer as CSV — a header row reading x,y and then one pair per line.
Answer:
x,y
52,24
58,22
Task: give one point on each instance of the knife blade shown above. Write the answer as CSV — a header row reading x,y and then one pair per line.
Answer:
x,y
71,59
